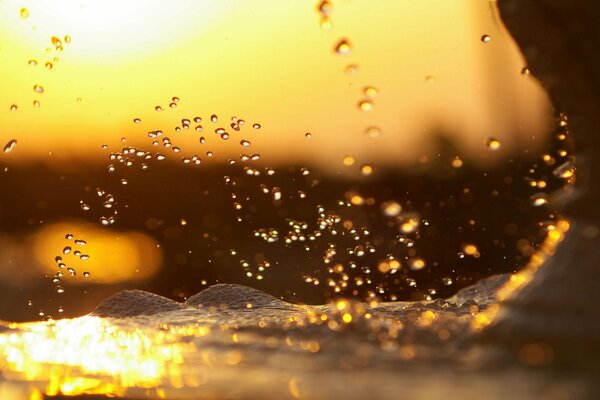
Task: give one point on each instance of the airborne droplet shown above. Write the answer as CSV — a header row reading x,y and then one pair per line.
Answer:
x,y
10,145
486,38
493,144
343,47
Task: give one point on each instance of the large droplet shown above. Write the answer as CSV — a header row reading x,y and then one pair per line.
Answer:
x,y
10,145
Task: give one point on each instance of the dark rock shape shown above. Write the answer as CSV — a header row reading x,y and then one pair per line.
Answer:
x,y
131,303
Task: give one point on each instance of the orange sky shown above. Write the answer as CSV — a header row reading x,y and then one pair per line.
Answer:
x,y
267,61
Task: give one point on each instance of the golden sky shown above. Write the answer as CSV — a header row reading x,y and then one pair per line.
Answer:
x,y
265,61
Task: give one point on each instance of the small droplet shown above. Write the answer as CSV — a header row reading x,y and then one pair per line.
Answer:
x,y
24,13
158,108
86,274
67,250
68,39
351,69
372,131
32,63
343,47
137,121
348,161
430,79
486,38
365,105
308,135
214,118
56,42
366,170
391,208
456,162
325,7
565,171
36,103
38,88
493,144
13,107
69,236
525,71
447,281
416,264
370,91
539,199
175,99
256,126
245,143
49,65
10,145
60,290
80,242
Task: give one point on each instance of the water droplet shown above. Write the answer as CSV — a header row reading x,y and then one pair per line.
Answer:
x,y
61,310
348,160
430,79
10,145
539,199
366,169
565,170
372,131
60,290
36,103
107,220
308,135
38,88
351,69
24,13
214,118
325,7
49,65
67,250
365,105
256,126
447,281
56,42
391,208
343,47
493,144
158,108
14,107
69,236
416,264
86,274
370,91
32,63
137,121
175,99
456,162
68,39
245,143
525,71
80,242
486,38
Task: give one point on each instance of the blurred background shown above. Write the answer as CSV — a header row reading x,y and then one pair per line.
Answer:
x,y
312,149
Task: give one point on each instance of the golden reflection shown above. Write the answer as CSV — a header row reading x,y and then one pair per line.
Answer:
x,y
113,360
95,255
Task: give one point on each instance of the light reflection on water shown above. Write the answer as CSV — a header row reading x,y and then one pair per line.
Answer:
x,y
198,350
